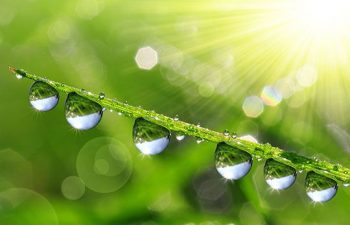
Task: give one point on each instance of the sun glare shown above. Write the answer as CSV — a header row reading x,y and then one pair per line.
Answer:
x,y
322,16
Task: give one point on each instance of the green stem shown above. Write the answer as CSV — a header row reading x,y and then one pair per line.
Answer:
x,y
264,151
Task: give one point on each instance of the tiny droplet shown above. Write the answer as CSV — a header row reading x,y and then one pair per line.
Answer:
x,y
199,140
180,136
101,95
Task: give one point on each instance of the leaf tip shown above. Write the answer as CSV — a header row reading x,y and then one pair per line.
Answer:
x,y
12,69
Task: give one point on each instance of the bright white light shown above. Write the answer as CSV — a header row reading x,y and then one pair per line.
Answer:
x,y
146,58
248,138
307,76
322,15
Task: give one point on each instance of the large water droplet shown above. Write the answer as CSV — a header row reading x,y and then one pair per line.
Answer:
x,y
42,96
150,138
82,113
232,163
278,175
320,188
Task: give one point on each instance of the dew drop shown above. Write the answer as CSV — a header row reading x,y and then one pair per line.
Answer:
x,y
150,138
320,188
232,163
101,95
226,133
42,96
180,136
176,118
278,175
82,113
19,76
199,140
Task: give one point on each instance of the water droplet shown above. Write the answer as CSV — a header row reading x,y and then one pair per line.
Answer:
x,y
101,95
82,113
176,118
226,133
199,140
232,163
150,138
320,188
19,76
278,175
249,138
198,125
180,136
346,185
42,96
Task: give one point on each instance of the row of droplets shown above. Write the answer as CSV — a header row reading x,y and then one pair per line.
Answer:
x,y
231,163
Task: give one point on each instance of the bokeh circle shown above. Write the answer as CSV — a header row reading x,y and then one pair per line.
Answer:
x,y
104,164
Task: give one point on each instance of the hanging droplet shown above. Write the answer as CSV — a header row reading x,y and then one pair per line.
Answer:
x,y
101,95
19,76
82,113
42,96
320,188
176,118
179,136
232,163
150,138
226,133
199,140
278,175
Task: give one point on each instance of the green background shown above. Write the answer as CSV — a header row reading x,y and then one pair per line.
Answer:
x,y
212,55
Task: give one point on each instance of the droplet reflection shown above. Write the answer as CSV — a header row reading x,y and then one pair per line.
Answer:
x,y
42,96
232,163
278,175
82,113
320,188
150,138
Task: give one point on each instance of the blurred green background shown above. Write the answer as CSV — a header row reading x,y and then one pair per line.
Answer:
x,y
247,66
